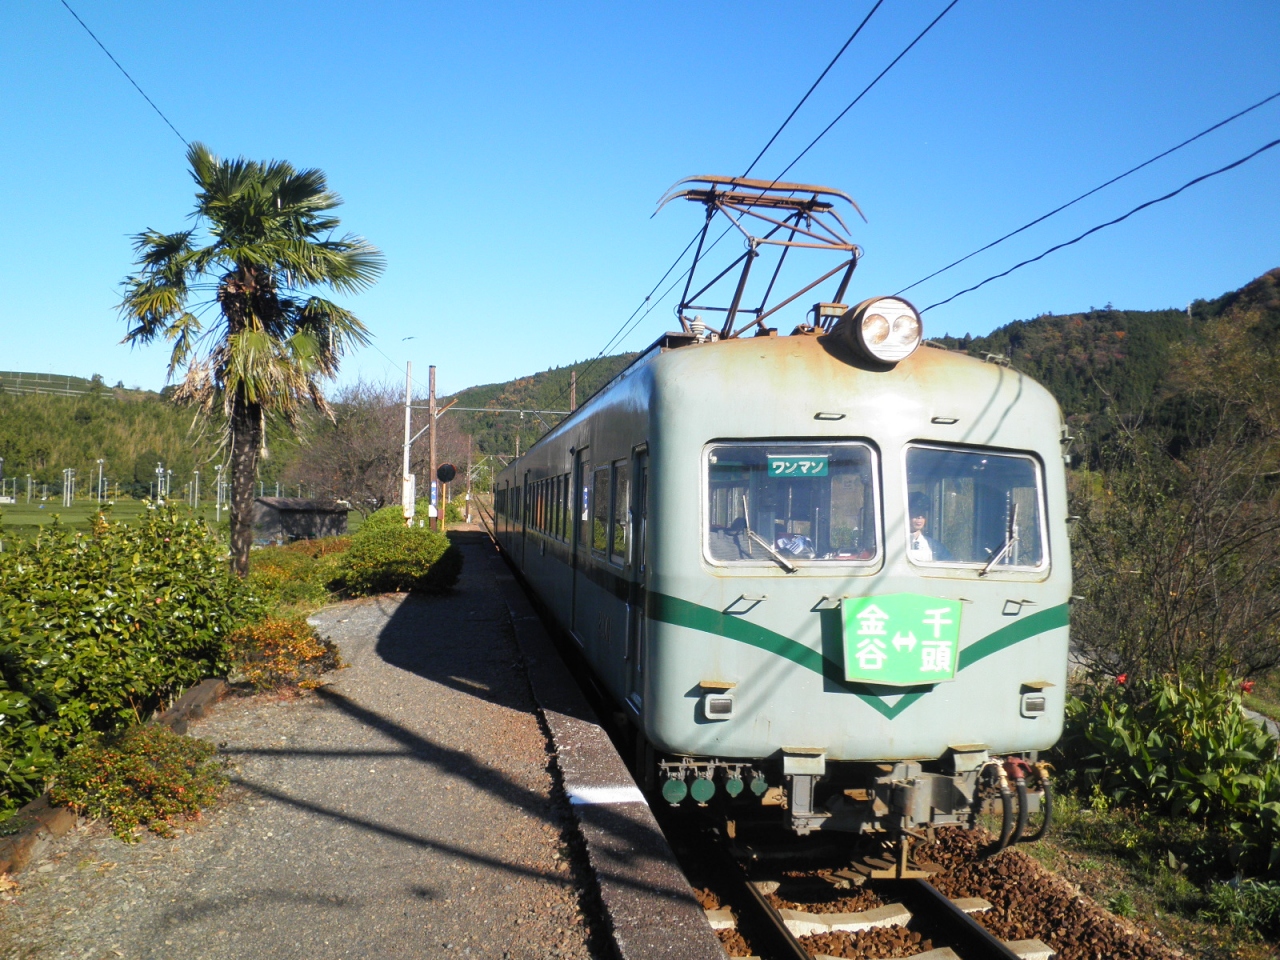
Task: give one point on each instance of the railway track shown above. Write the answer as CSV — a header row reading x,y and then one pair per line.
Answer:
x,y
782,913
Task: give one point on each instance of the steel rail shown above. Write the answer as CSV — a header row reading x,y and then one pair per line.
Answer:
x,y
783,943
967,937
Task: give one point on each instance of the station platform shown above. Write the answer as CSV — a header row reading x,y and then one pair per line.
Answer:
x,y
447,793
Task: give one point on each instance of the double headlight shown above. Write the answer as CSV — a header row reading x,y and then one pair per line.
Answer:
x,y
886,329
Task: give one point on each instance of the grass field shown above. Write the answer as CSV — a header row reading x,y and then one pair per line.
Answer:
x,y
25,520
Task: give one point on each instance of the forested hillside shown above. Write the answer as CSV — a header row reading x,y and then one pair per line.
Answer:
x,y
130,430
495,433
1119,360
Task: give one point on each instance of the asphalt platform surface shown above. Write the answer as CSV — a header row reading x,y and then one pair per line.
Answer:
x,y
406,809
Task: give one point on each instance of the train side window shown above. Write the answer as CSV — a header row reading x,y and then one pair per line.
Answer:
x,y
801,501
974,508
582,507
600,511
566,486
564,507
621,498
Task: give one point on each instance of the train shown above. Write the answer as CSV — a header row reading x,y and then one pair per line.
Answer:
x,y
824,577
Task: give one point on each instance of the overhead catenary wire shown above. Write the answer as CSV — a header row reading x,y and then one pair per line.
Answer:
x,y
1089,193
796,109
627,325
125,72
867,89
1110,223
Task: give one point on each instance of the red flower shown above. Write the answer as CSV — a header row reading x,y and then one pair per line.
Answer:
x,y
1246,686
1122,679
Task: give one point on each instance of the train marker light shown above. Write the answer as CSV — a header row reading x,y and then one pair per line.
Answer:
x,y
703,789
884,329
674,790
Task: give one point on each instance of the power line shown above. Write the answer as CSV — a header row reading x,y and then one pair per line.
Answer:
x,y
1109,223
866,89
797,107
627,325
1056,210
125,72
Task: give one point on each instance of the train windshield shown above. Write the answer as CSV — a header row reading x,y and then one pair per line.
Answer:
x,y
972,507
789,503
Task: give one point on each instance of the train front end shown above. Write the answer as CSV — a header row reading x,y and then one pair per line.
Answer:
x,y
857,611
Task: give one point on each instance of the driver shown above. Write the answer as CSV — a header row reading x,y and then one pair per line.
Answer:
x,y
921,547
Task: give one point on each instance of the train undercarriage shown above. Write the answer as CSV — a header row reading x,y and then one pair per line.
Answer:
x,y
894,802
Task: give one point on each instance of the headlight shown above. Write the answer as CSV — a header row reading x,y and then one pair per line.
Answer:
x,y
886,329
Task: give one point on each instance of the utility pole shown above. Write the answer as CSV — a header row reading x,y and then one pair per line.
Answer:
x,y
431,443
28,488
468,499
100,483
217,500
195,493
573,390
408,493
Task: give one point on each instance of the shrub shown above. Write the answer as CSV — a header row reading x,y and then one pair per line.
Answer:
x,y
147,775
277,652
386,555
1181,747
298,574
1250,903
98,631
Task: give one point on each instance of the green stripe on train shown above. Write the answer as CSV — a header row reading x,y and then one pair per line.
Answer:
x,y
682,613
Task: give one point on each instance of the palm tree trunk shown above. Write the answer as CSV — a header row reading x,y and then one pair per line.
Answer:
x,y
246,441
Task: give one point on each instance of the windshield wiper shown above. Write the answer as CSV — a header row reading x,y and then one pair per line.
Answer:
x,y
1011,537
752,535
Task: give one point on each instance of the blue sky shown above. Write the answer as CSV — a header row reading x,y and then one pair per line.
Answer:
x,y
507,157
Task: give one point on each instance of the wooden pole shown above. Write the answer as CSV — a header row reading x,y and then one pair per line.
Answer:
x,y
573,390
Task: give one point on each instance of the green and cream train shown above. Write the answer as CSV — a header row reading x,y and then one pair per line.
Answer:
x,y
825,576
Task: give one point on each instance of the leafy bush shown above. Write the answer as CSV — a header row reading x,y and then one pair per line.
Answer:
x,y
1181,747
1249,903
298,574
386,555
146,775
98,631
277,652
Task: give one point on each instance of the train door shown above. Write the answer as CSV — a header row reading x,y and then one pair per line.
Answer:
x,y
579,528
638,592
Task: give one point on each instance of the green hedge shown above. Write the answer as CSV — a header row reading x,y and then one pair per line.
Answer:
x,y
98,630
385,555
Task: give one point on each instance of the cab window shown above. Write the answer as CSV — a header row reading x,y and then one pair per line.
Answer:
x,y
974,507
799,501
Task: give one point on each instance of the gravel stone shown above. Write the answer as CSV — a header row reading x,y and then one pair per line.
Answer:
x,y
406,809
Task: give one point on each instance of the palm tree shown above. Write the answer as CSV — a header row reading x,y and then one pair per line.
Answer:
x,y
263,241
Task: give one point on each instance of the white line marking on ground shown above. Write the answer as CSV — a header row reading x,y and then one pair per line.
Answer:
x,y
594,795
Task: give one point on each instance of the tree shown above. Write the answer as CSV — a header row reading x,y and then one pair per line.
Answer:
x,y
263,242
358,455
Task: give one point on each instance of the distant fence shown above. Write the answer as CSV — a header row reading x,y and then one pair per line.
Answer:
x,y
50,383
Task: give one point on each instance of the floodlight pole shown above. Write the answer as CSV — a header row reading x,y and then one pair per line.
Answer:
x,y
407,492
